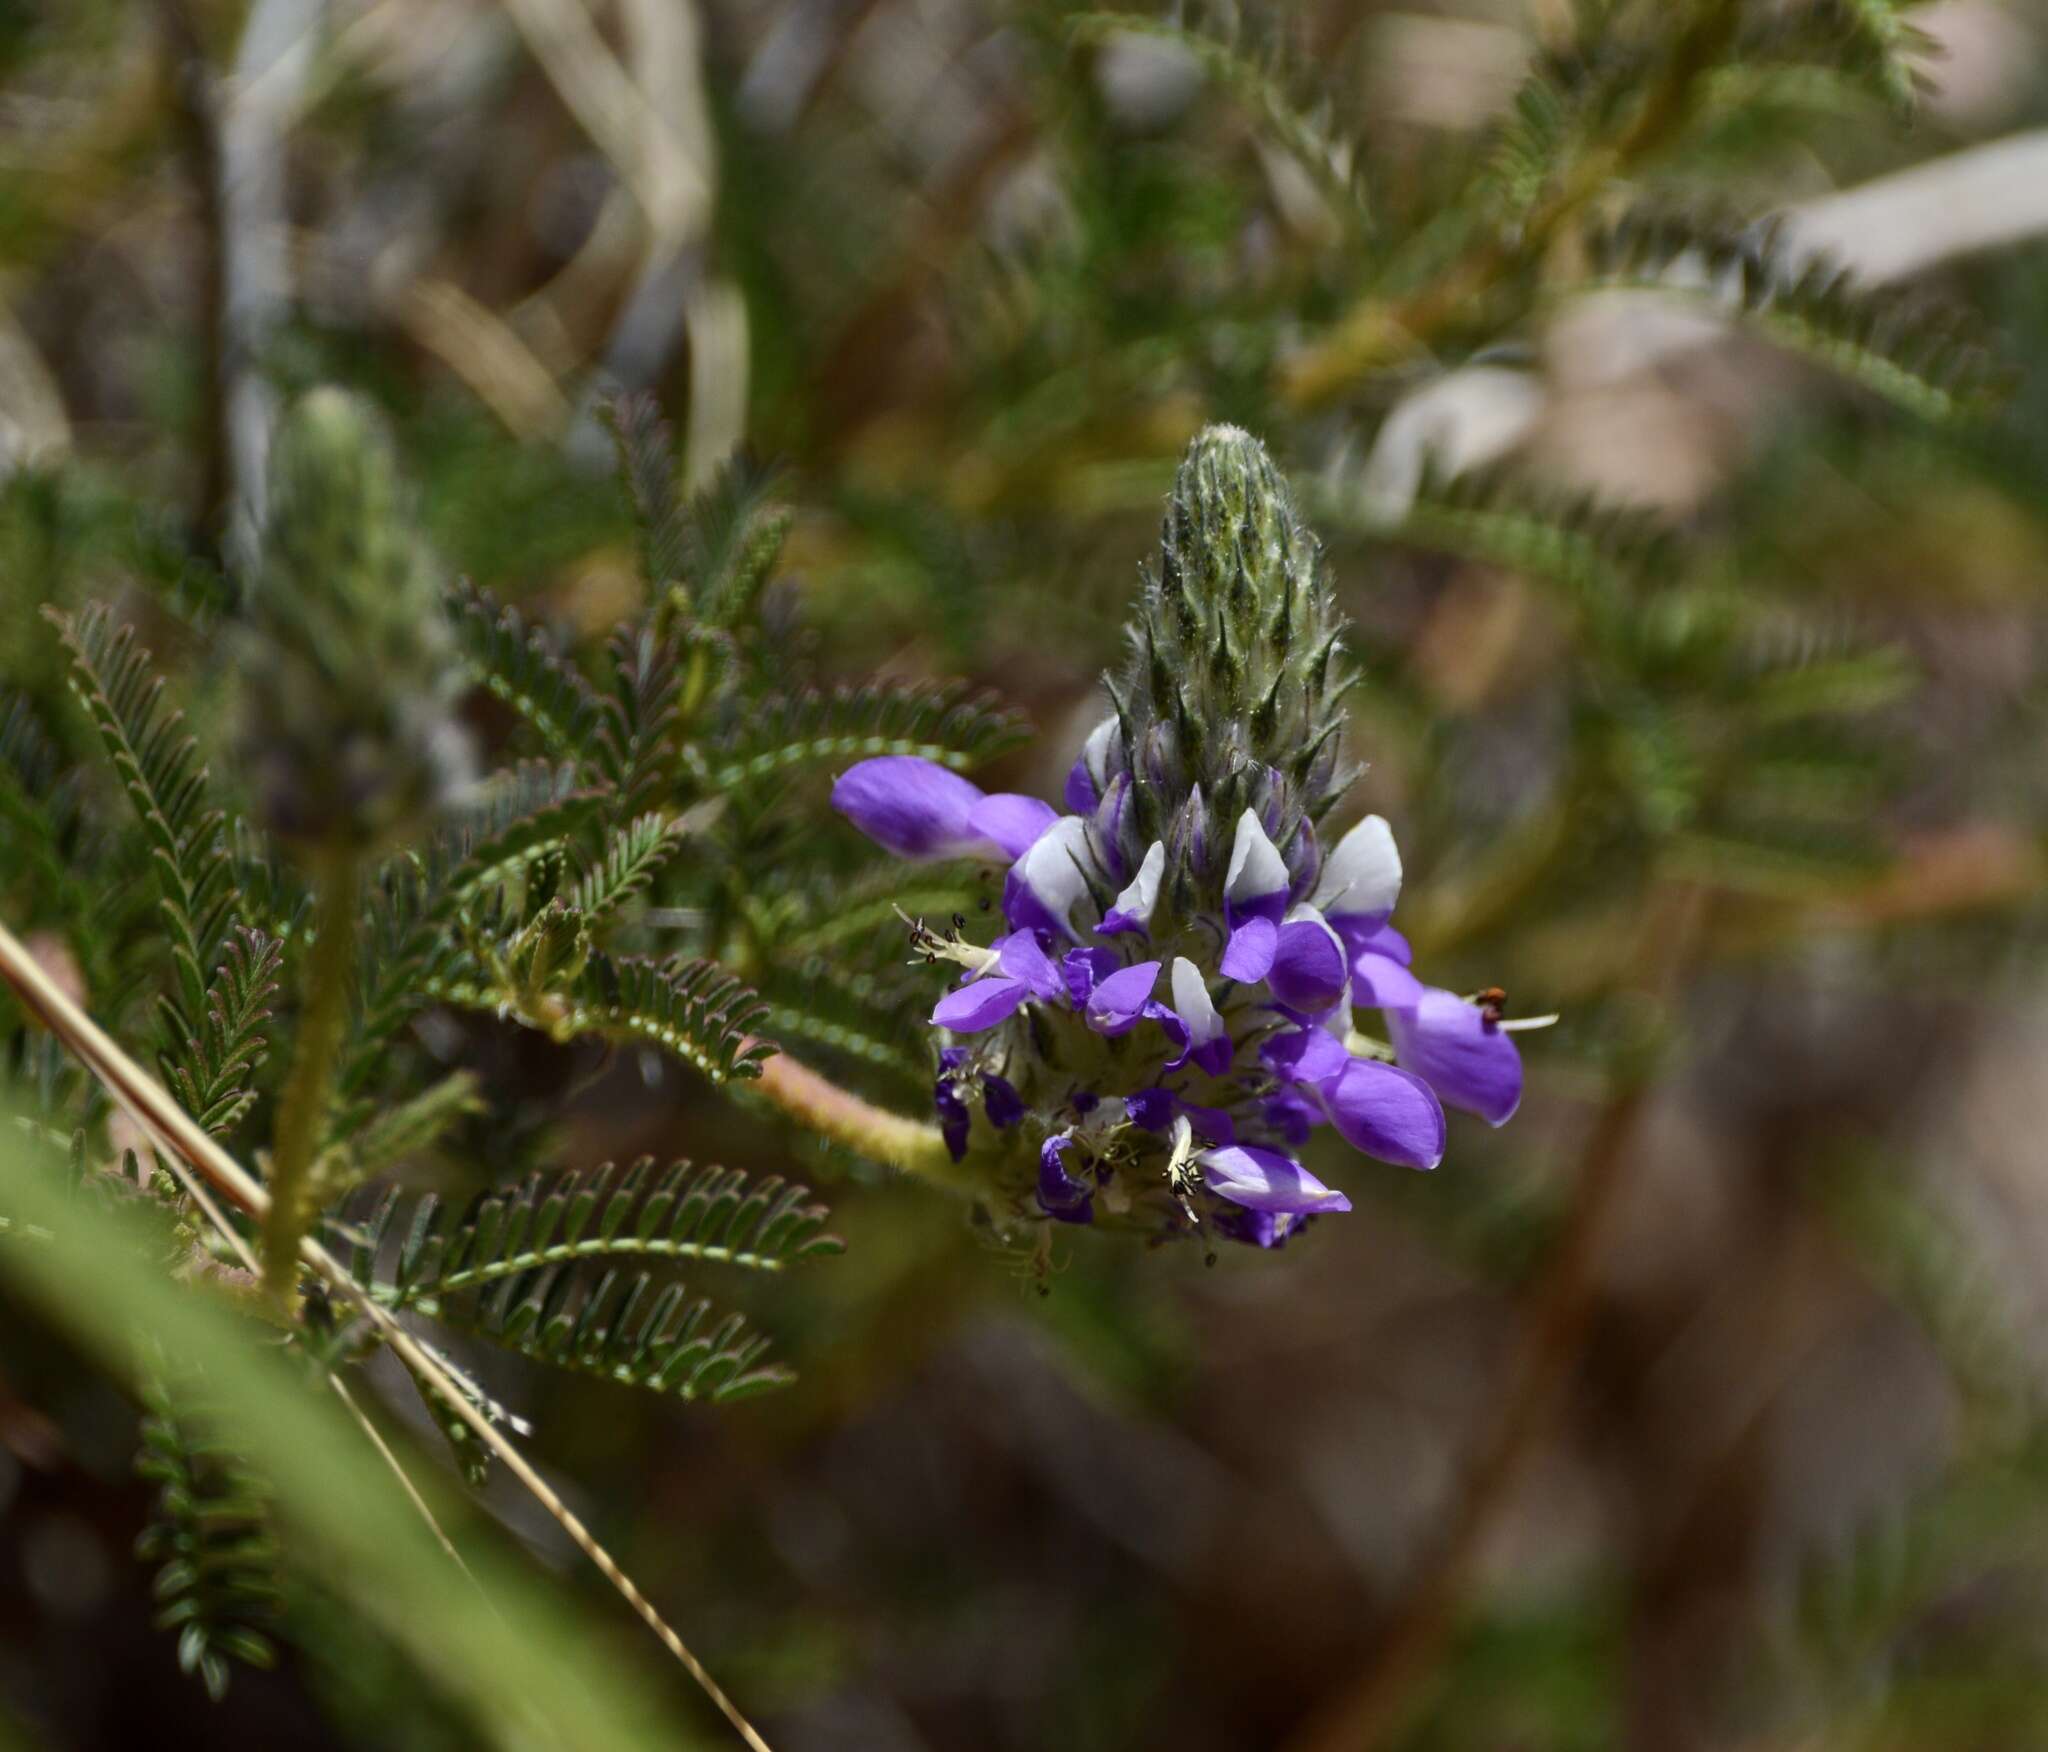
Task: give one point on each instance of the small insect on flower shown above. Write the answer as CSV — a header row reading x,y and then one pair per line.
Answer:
x,y
1172,1010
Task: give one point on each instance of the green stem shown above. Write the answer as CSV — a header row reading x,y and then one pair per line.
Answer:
x,y
309,1088
908,1145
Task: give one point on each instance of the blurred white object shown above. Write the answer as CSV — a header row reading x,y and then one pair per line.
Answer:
x,y
1462,421
1902,225
1887,230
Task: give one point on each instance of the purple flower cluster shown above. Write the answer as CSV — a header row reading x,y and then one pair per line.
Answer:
x,y
1148,1062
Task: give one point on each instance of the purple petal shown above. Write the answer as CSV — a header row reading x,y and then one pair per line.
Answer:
x,y
1265,1180
986,1002
1176,1027
1304,861
1118,1001
1022,956
1470,1062
1248,956
1149,1109
1383,939
999,1097
954,1120
1080,794
1293,1115
1010,821
1387,1112
1253,1228
1309,970
1308,1055
1062,1196
913,807
1211,1124
1082,969
1379,982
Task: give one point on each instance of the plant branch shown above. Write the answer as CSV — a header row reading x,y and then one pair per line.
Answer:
x,y
308,1089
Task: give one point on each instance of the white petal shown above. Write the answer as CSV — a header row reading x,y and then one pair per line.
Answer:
x,y
1191,1002
1139,898
1363,874
1256,869
1055,867
1095,752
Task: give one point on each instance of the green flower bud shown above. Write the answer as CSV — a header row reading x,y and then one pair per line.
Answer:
x,y
350,714
1234,684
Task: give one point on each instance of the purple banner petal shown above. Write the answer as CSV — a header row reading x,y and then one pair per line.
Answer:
x,y
1011,822
1310,970
982,1005
1266,1180
1467,1059
912,807
1379,982
1117,1001
1387,1112
1248,956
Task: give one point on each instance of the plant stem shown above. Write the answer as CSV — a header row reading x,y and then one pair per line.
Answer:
x,y
309,1088
820,1105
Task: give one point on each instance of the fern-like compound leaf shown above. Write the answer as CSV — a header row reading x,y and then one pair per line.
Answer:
x,y
41,817
533,812
519,665
647,468
624,1330
632,856
1874,42
1921,356
157,761
210,1536
412,1126
644,1213
637,717
1253,69
692,1009
1498,516
212,1072
733,537
537,1267
953,725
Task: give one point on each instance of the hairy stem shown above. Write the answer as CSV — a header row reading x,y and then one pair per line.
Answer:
x,y
819,1104
309,1088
